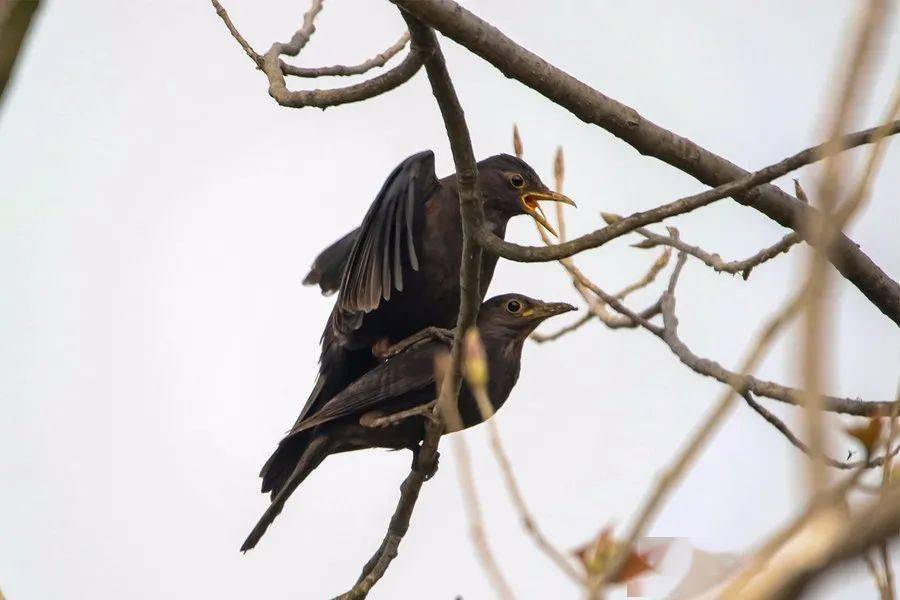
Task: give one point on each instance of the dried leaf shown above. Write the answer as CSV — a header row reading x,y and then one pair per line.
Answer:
x,y
610,218
868,434
517,141
597,557
645,244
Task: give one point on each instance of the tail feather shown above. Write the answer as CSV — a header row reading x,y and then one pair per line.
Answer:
x,y
314,453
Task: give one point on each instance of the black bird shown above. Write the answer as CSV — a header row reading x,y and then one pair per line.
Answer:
x,y
398,272
405,381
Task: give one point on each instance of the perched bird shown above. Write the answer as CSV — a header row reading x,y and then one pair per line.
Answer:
x,y
404,381
398,272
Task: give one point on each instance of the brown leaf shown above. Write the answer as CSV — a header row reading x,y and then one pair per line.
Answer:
x,y
597,556
517,141
868,434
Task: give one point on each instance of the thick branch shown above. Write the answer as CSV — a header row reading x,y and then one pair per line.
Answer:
x,y
646,137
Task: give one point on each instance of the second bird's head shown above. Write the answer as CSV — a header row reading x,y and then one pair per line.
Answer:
x,y
511,187
515,316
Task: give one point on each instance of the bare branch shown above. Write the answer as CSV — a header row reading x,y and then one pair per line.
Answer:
x,y
248,49
714,260
275,69
591,106
425,465
379,60
796,442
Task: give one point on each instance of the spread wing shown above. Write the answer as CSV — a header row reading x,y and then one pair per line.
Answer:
x,y
328,268
402,374
384,249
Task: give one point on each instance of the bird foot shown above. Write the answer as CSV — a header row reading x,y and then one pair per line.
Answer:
x,y
427,470
382,351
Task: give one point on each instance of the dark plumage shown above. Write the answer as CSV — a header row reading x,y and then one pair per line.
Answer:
x,y
405,381
398,272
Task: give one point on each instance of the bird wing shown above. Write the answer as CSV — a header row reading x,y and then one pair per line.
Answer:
x,y
384,248
328,268
401,374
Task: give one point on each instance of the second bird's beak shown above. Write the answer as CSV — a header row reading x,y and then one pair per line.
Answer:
x,y
530,205
546,310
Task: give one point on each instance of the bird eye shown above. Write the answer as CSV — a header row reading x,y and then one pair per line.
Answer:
x,y
516,180
513,306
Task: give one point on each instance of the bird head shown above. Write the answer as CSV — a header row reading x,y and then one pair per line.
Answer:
x,y
511,187
517,315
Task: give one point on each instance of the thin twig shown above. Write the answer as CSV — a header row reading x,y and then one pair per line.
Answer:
x,y
525,516
275,68
780,425
744,267
379,60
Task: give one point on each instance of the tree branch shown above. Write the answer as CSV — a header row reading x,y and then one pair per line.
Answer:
x,y
275,69
648,138
379,60
424,465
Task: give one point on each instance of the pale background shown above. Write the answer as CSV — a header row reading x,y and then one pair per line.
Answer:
x,y
159,211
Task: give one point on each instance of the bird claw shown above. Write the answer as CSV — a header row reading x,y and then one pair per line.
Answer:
x,y
428,471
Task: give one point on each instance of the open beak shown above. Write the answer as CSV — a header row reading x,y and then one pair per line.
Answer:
x,y
530,205
546,310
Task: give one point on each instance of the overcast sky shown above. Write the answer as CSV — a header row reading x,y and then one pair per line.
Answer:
x,y
159,210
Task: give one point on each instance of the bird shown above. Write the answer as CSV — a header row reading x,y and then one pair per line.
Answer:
x,y
398,272
405,381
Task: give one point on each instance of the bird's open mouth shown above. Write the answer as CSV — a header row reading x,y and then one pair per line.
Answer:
x,y
530,205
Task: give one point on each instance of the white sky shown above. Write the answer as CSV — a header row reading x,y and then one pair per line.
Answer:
x,y
158,211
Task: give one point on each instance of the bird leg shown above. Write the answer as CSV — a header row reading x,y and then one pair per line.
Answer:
x,y
427,470
427,334
379,419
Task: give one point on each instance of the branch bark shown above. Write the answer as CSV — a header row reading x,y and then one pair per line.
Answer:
x,y
275,69
648,138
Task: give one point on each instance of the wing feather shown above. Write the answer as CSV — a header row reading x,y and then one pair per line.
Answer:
x,y
377,263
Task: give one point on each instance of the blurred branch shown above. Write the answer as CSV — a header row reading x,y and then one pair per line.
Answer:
x,y
476,520
591,106
15,19
275,69
704,432
476,376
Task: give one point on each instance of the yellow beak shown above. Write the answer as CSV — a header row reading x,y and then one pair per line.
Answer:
x,y
530,205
